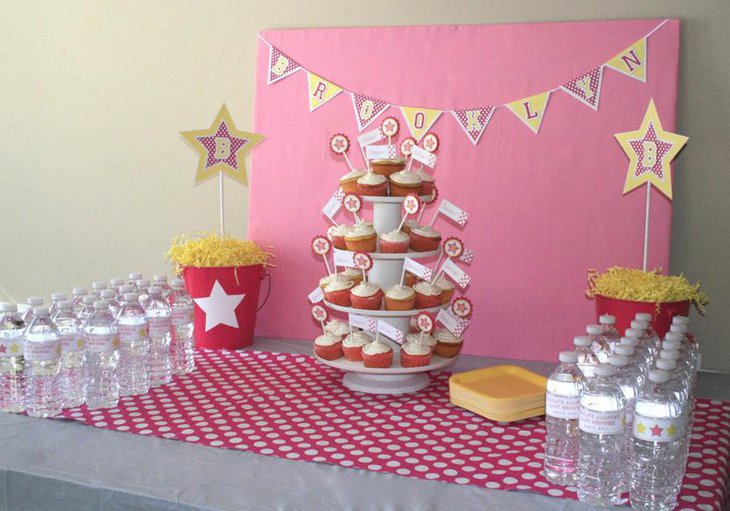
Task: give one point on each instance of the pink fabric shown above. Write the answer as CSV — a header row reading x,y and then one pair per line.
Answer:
x,y
289,406
544,208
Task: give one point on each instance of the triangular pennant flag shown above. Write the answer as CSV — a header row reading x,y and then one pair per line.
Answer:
x,y
320,91
474,121
280,66
419,120
531,110
586,88
631,61
366,109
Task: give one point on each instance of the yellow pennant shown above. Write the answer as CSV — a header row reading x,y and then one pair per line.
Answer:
x,y
631,61
320,91
531,110
419,120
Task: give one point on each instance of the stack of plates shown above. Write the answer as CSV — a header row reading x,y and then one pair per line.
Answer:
x,y
503,393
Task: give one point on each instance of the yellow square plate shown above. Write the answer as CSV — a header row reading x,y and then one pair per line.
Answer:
x,y
501,388
499,416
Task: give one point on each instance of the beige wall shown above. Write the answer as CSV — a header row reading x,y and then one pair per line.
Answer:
x,y
95,180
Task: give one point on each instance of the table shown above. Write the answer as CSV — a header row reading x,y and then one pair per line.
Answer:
x,y
65,465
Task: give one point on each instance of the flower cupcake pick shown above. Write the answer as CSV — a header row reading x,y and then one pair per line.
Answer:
x,y
462,307
411,205
430,143
453,248
353,204
425,324
340,144
321,246
364,262
390,127
406,148
320,314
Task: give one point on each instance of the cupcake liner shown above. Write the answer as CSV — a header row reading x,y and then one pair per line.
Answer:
x,y
339,242
340,297
378,360
422,243
392,304
352,353
376,190
407,360
332,352
393,247
349,186
448,350
385,169
427,301
446,295
397,190
368,244
372,303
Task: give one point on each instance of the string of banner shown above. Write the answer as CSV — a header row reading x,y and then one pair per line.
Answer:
x,y
586,88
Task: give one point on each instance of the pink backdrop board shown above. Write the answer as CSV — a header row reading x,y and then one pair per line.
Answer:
x,y
544,207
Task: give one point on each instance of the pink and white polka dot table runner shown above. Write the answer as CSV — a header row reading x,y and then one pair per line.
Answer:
x,y
291,407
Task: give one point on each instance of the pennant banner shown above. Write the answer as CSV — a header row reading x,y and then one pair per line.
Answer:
x,y
367,109
320,91
280,66
417,269
531,110
452,270
419,120
631,61
421,155
358,321
474,121
390,331
586,88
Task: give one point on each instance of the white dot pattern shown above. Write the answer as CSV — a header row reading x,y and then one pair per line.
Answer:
x,y
577,87
291,407
378,107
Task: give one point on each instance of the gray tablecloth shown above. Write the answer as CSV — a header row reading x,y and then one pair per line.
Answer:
x,y
64,465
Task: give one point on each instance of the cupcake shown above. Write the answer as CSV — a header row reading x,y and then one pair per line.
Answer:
x,y
338,235
328,279
348,182
399,298
394,242
367,295
361,238
337,327
353,343
410,279
410,224
328,346
424,238
388,166
428,183
426,340
447,344
427,295
377,354
447,288
402,183
415,354
338,292
353,274
372,184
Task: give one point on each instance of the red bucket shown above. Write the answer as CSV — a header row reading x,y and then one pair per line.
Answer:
x,y
625,311
226,302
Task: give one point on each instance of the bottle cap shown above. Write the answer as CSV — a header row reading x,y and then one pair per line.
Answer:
x,y
8,307
639,324
155,290
79,291
680,320
671,344
177,282
57,297
674,336
628,341
659,376
634,332
131,297
605,370
594,329
88,299
680,329
607,319
40,310
670,354
116,282
126,288
35,300
108,294
568,357
624,350
582,340
618,360
143,283
666,364
160,278
101,305
98,285
65,304
643,316
135,276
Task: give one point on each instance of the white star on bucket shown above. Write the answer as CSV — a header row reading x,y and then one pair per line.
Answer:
x,y
219,307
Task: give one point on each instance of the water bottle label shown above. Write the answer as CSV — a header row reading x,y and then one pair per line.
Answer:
x,y
101,343
183,316
131,333
658,430
562,407
71,343
12,346
601,423
159,326
41,351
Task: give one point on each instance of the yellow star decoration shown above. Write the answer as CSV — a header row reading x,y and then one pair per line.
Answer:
x,y
116,343
650,150
79,343
641,427
14,348
222,148
671,430
142,332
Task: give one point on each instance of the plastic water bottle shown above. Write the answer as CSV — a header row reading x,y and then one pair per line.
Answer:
x,y
562,406
77,297
161,282
638,372
181,349
72,355
98,286
626,381
599,343
114,284
55,299
123,290
677,381
641,356
587,360
134,277
102,358
42,353
142,291
33,301
12,379
689,349
135,346
658,434
610,333
654,340
87,308
158,313
672,344
110,297
601,468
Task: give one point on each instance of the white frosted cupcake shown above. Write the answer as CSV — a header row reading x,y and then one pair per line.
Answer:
x,y
394,242
426,340
415,354
424,238
337,327
352,345
362,238
372,184
399,298
447,344
427,295
447,288
377,354
428,182
402,183
328,346
348,182
366,295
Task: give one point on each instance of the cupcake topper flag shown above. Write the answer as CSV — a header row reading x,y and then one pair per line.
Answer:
x,y
425,324
321,246
320,314
428,202
222,149
453,248
353,204
340,144
411,205
364,262
389,126
406,149
650,150
425,155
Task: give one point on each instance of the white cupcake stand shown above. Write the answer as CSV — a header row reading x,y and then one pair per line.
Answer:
x,y
386,272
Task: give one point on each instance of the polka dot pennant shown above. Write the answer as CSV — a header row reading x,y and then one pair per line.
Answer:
x,y
291,407
586,88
